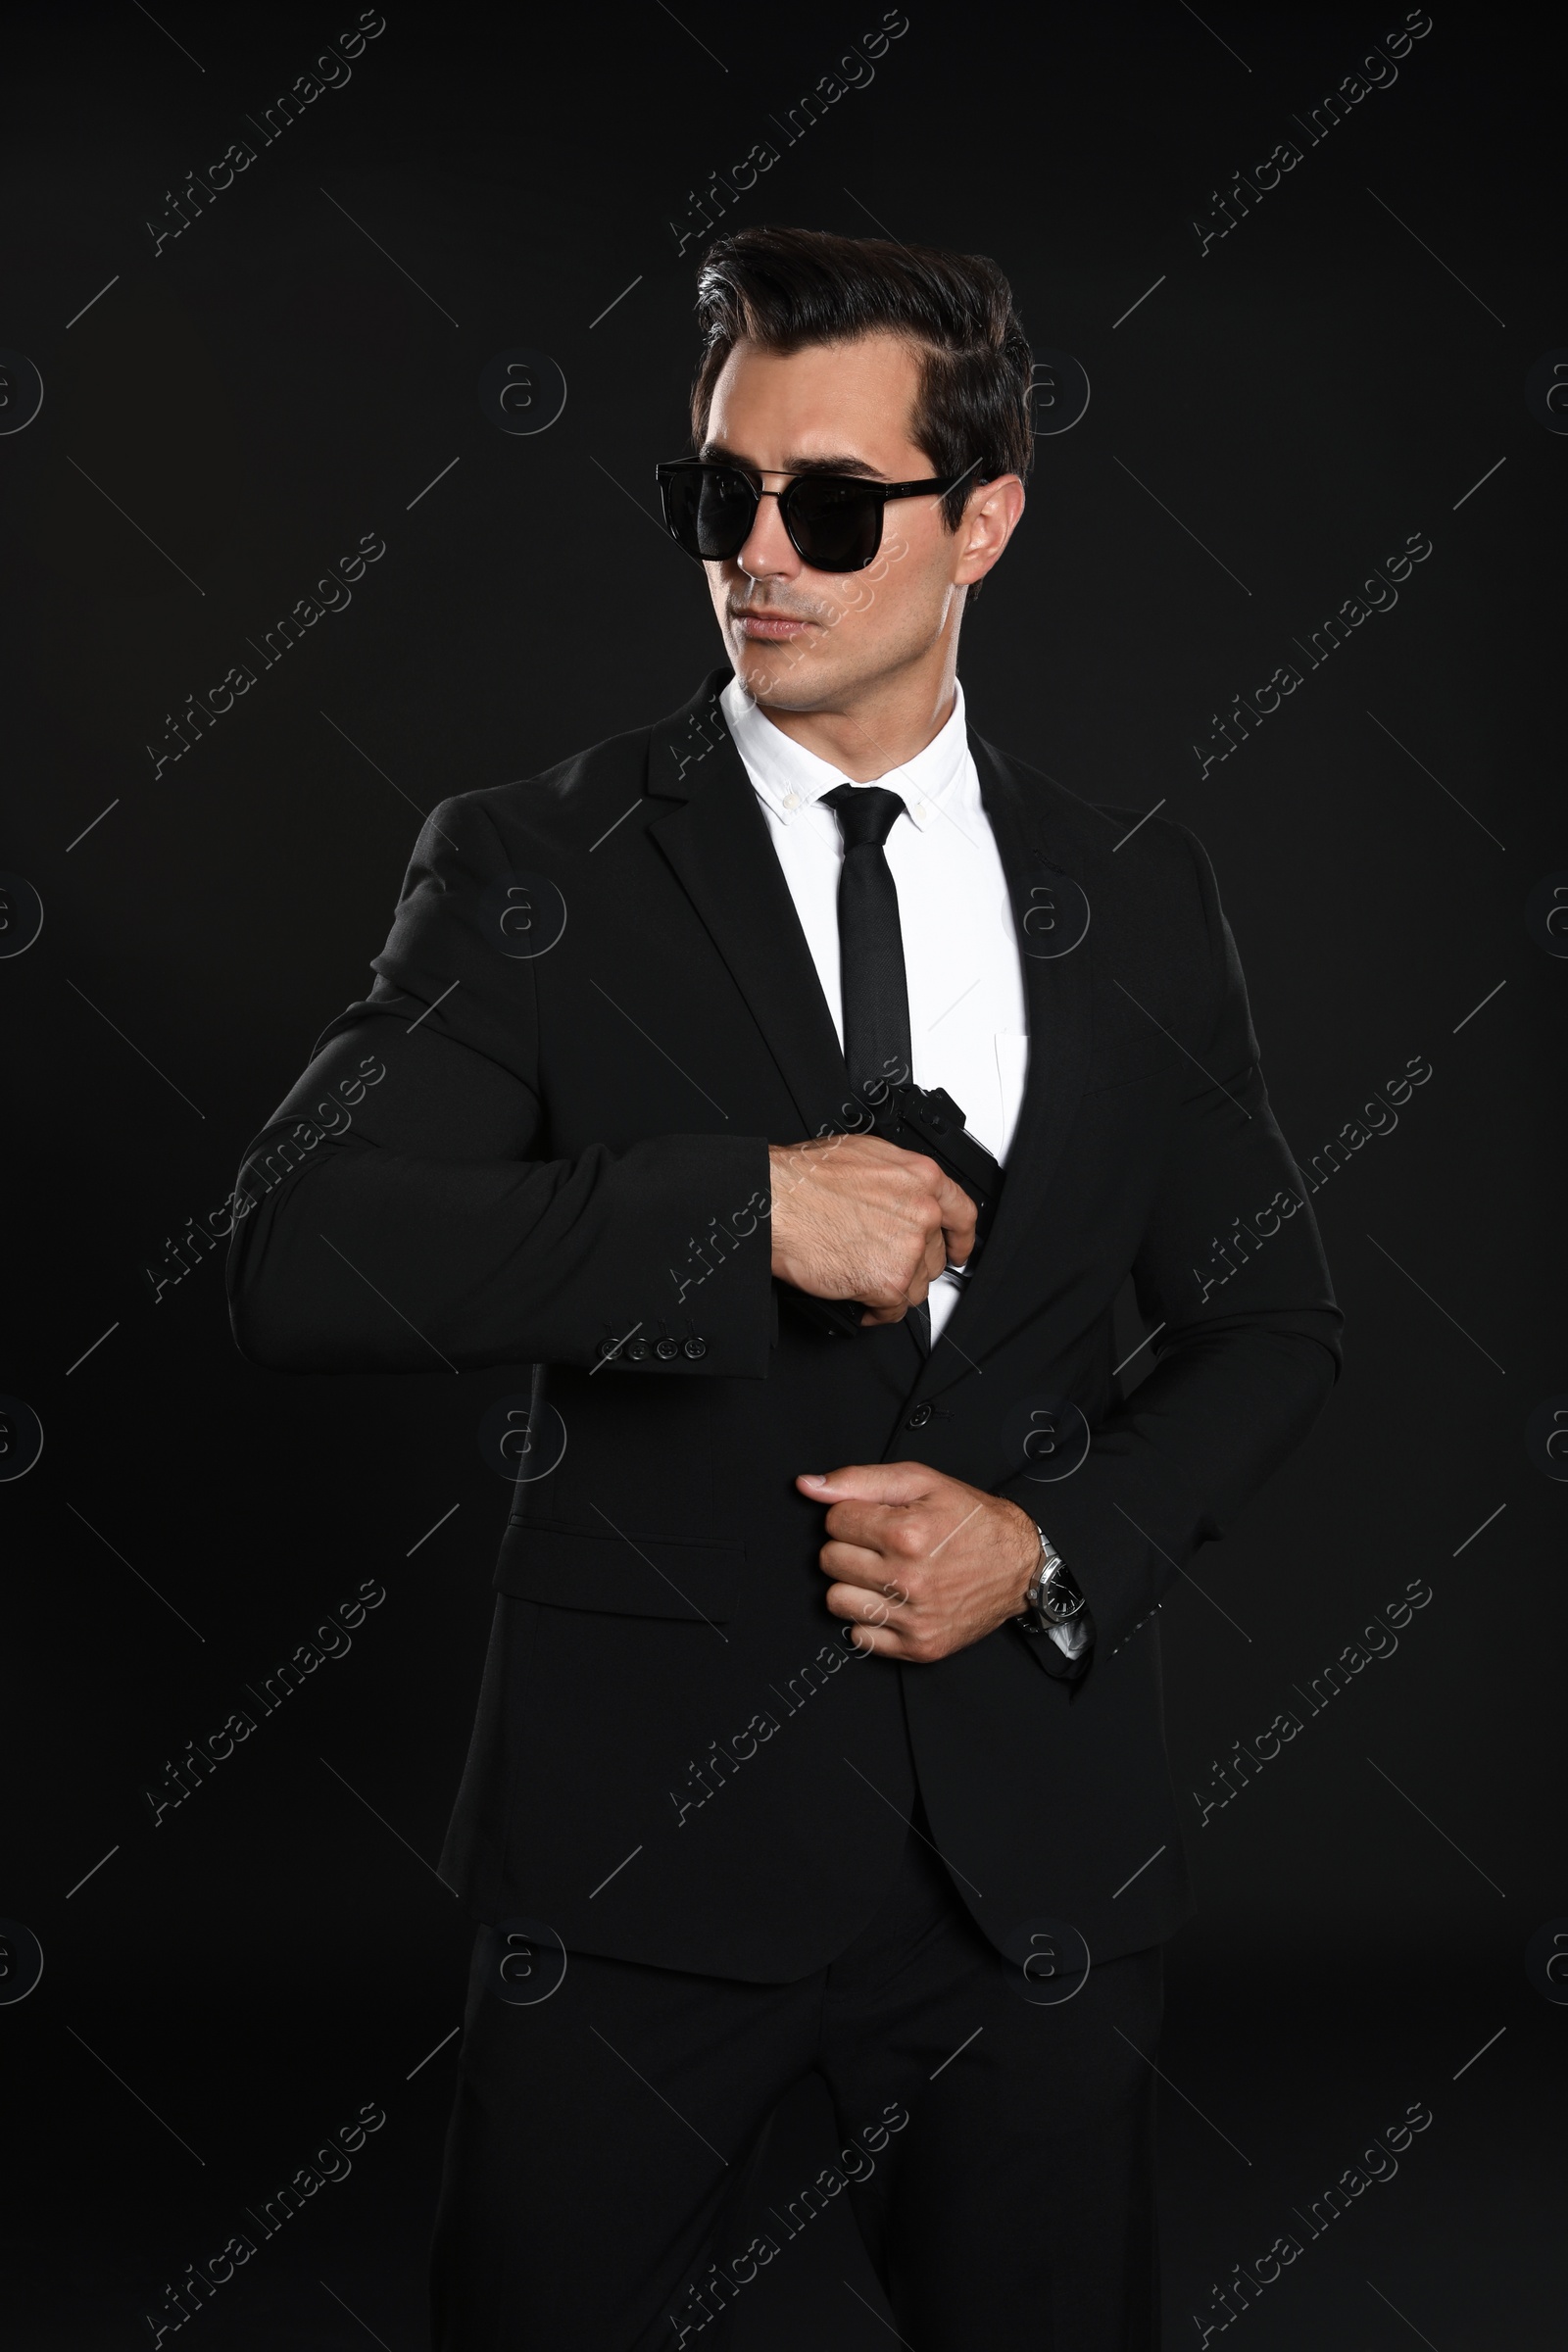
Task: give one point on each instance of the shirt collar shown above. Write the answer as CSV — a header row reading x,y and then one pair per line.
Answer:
x,y
788,778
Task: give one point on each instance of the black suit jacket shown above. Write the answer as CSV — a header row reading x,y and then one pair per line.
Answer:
x,y
595,1010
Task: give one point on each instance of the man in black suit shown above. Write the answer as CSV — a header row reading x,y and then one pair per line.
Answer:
x,y
794,1085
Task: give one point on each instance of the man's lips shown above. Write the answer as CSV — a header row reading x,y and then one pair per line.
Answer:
x,y
774,627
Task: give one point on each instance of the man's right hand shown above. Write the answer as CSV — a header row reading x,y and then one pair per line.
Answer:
x,y
855,1218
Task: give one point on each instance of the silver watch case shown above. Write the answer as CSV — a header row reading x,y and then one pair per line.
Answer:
x,y
1044,1604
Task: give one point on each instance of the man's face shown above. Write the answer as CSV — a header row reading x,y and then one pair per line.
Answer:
x,y
805,640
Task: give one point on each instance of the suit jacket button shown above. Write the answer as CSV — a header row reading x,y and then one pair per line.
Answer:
x,y
919,1417
637,1351
696,1347
665,1349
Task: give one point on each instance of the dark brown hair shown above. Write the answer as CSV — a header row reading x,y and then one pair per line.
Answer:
x,y
784,288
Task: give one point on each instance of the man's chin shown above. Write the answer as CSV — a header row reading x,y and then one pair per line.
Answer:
x,y
785,673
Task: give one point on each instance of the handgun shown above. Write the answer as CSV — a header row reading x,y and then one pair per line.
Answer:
x,y
925,1119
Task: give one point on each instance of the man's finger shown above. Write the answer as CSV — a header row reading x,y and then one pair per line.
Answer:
x,y
958,1242
953,1206
869,1615
868,1571
869,1482
867,1527
958,1213
881,1645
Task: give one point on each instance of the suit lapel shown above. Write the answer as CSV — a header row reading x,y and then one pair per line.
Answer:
x,y
716,841
1052,917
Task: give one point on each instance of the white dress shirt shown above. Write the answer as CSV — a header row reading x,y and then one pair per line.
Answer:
x,y
968,1013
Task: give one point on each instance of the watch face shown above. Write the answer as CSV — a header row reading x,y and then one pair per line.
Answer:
x,y
1060,1598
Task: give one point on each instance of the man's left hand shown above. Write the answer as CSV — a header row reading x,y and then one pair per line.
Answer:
x,y
919,1563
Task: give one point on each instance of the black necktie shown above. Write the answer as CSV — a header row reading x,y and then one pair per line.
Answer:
x,y
873,993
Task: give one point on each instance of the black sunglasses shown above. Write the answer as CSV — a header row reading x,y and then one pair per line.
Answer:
x,y
834,520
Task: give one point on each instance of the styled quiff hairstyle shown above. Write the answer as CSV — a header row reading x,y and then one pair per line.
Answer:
x,y
784,288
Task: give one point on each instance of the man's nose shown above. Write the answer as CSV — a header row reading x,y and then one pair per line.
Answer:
x,y
768,552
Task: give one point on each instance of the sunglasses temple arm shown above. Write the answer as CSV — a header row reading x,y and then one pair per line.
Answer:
x,y
948,484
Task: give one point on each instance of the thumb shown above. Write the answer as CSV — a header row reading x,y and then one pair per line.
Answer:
x,y
867,1481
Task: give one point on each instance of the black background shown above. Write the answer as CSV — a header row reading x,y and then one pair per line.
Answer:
x,y
225,421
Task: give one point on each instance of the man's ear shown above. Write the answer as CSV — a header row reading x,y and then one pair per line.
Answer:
x,y
991,516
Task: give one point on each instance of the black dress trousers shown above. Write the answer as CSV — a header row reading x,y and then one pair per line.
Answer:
x,y
996,2152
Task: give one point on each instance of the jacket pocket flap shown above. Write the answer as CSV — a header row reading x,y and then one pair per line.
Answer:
x,y
633,1576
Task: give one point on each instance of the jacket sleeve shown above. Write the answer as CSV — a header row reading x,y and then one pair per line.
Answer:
x,y
1246,1358
401,1213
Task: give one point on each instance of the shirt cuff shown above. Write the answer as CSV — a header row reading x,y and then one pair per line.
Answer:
x,y
1075,1636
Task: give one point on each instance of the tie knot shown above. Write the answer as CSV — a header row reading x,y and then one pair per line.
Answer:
x,y
867,813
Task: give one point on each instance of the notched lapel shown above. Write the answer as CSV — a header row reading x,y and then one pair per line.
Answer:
x,y
716,840
1054,917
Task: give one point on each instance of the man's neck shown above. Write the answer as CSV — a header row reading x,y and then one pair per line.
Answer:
x,y
873,732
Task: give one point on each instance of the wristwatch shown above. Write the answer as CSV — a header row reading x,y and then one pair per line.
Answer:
x,y
1053,1597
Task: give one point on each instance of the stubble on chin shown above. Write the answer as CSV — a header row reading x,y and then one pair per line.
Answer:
x,y
784,674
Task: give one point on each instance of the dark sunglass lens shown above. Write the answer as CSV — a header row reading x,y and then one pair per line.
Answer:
x,y
836,522
709,509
